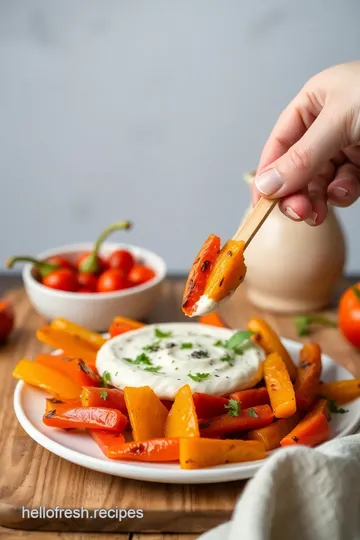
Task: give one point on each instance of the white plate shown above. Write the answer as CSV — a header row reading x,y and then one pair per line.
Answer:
x,y
79,448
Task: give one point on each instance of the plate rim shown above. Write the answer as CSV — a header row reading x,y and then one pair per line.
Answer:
x,y
124,469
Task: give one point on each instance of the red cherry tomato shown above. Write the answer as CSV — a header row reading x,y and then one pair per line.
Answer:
x,y
121,258
113,279
140,274
60,261
349,315
62,279
103,263
87,281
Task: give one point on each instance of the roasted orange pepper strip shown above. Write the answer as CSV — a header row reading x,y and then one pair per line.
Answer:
x,y
182,420
146,412
253,418
74,368
198,453
252,397
120,325
72,345
199,273
61,404
341,391
212,319
47,379
279,386
111,398
93,338
308,376
272,435
155,450
228,271
86,418
269,341
107,440
312,430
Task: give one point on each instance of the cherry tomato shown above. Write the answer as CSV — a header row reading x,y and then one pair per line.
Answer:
x,y
140,274
113,279
121,258
62,279
87,281
60,261
349,315
102,261
83,290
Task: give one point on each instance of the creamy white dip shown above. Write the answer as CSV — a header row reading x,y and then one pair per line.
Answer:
x,y
168,356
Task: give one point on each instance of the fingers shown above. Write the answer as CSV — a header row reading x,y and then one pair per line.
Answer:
x,y
345,188
295,169
297,206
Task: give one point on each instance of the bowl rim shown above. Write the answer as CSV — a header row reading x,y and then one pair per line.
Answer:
x,y
161,271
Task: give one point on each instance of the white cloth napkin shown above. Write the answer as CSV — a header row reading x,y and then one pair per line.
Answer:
x,y
301,493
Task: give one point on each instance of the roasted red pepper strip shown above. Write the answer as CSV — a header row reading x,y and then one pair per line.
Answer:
x,y
86,418
110,398
308,376
207,406
155,450
199,273
247,419
313,428
107,440
252,397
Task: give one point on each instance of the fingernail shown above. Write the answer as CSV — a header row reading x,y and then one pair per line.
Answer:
x,y
291,214
269,182
338,192
312,219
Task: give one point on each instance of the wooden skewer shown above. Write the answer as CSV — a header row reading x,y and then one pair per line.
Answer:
x,y
253,221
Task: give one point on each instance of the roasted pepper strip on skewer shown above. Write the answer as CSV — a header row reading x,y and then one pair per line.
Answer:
x,y
155,450
74,368
269,341
73,346
308,376
93,338
47,379
86,418
198,453
279,386
199,273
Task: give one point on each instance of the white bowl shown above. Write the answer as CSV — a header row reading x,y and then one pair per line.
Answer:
x,y
96,310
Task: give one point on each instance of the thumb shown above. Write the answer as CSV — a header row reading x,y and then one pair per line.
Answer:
x,y
295,169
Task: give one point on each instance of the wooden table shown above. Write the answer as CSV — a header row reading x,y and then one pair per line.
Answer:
x,y
31,476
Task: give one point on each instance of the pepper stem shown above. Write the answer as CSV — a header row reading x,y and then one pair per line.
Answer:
x,y
44,268
91,263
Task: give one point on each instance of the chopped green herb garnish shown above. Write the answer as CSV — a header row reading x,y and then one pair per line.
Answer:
x,y
303,323
234,407
198,377
186,346
253,413
103,394
220,343
154,369
227,358
105,379
239,338
333,408
159,334
154,347
356,291
140,359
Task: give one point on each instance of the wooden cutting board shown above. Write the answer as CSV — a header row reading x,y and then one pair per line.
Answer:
x,y
33,477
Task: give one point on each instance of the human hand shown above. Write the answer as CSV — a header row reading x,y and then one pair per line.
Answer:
x,y
313,153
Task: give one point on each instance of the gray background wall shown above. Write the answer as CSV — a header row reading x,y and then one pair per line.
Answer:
x,y
150,110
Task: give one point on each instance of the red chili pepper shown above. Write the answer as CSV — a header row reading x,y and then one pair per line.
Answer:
x,y
112,280
87,281
122,259
140,274
62,280
61,262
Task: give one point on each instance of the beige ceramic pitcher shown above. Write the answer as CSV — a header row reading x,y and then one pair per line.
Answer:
x,y
292,267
